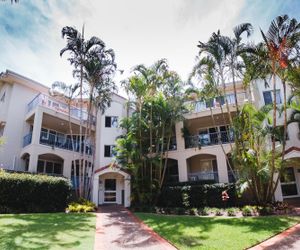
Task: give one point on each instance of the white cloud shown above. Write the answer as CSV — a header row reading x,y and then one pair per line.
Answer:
x,y
138,31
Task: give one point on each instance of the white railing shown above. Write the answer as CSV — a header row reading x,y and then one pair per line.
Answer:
x,y
51,103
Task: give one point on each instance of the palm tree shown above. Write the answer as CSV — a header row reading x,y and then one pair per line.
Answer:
x,y
236,49
68,93
79,48
282,42
98,70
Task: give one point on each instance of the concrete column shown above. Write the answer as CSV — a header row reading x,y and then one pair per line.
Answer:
x,y
222,167
179,138
37,125
127,191
278,192
182,170
98,141
33,162
95,189
67,167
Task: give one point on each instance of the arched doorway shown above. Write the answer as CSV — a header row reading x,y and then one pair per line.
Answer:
x,y
203,167
111,185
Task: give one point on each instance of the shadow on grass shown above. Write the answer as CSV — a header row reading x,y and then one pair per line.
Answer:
x,y
45,231
193,231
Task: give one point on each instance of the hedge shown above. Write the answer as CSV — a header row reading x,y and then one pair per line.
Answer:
x,y
197,195
31,193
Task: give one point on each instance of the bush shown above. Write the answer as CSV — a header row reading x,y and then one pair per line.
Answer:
x,y
218,212
33,193
247,211
196,195
231,211
179,211
81,206
205,211
193,211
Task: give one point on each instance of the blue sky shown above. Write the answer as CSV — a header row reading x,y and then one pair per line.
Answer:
x,y
139,31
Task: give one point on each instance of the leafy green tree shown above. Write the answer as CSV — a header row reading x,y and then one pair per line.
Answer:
x,y
156,98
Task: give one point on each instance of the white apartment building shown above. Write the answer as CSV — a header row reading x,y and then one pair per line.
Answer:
x,y
38,139
35,127
197,155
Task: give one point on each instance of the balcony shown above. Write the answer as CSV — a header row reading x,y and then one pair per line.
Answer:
x,y
58,141
58,106
208,139
199,106
204,176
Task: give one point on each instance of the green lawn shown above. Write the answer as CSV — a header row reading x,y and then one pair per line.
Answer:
x,y
47,231
188,232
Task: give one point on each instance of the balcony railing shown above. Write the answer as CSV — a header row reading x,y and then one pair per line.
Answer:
x,y
27,139
58,141
201,176
199,106
51,103
208,139
63,142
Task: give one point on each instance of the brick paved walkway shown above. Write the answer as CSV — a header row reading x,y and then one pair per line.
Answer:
x,y
117,228
287,240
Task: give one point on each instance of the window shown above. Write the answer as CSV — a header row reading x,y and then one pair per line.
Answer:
x,y
268,97
230,98
288,182
49,167
1,130
111,121
2,99
108,150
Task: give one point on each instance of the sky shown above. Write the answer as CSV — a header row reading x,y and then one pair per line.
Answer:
x,y
139,31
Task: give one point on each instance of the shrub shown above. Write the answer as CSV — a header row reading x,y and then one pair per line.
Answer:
x,y
179,210
81,206
247,211
32,193
231,211
193,211
265,210
218,212
204,211
196,195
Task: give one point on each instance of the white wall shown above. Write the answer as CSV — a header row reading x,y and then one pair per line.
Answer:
x,y
16,109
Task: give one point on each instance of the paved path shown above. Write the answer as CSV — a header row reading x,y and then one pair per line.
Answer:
x,y
287,240
117,228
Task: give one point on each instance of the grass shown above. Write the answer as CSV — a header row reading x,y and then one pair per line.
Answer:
x,y
189,232
47,231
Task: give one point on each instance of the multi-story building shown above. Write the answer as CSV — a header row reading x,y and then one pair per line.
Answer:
x,y
199,155
38,139
36,129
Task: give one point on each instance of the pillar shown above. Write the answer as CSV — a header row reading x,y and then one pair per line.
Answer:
x,y
179,138
278,192
182,170
222,167
95,189
33,162
67,168
127,191
37,126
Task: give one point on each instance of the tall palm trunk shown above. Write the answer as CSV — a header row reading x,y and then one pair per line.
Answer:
x,y
270,185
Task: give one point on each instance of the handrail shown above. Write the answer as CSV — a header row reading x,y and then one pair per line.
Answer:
x,y
208,139
59,106
199,106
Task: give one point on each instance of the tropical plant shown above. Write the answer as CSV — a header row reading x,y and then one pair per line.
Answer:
x,y
94,66
68,93
156,98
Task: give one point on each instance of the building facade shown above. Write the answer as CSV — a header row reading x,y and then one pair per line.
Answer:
x,y
37,128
